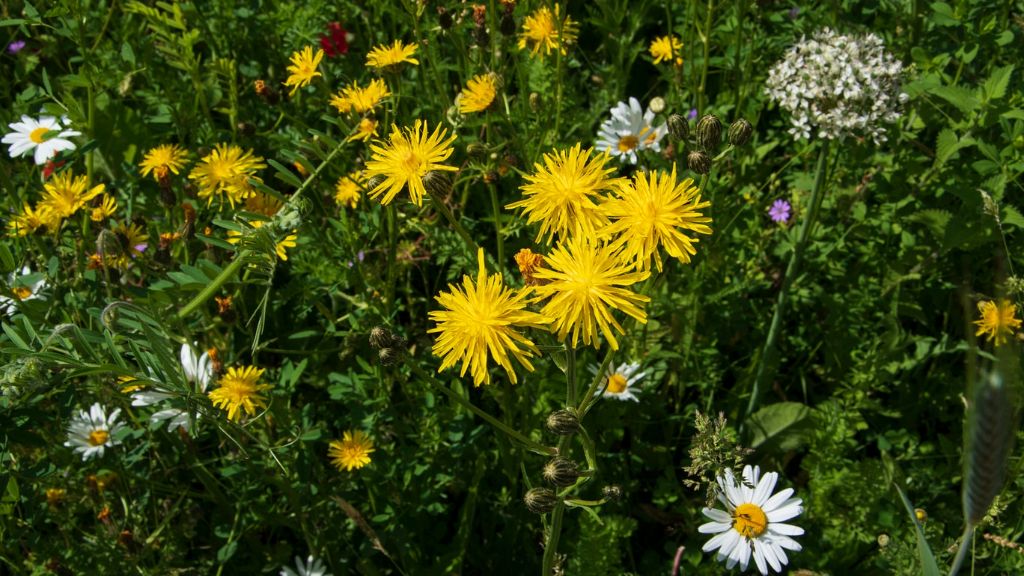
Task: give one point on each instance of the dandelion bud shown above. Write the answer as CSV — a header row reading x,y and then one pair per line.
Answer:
x,y
698,162
476,150
264,91
507,24
437,183
444,18
740,132
561,472
534,101
679,127
657,105
563,422
540,500
381,337
376,181
389,356
709,132
612,492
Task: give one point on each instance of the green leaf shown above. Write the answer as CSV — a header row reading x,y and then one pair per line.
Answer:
x,y
285,175
784,426
995,86
924,552
1012,217
962,98
933,219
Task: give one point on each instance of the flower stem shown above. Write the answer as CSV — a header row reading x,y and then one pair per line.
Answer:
x,y
766,366
440,206
392,225
498,236
551,544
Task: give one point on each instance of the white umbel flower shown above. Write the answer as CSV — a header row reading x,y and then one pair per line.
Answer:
x,y
93,431
629,130
20,291
619,383
752,523
839,85
46,136
313,567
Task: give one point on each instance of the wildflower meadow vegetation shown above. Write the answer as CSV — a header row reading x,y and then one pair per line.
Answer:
x,y
417,287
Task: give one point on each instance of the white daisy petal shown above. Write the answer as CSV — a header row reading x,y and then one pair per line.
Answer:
x,y
785,512
777,500
759,559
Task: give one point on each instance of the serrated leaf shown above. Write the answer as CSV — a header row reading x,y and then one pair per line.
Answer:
x,y
962,98
1012,217
995,85
933,219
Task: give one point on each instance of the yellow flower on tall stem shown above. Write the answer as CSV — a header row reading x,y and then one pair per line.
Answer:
x,y
479,93
226,172
360,100
239,390
563,194
366,129
655,210
65,195
384,56
540,31
352,451
666,48
106,209
303,68
583,281
280,248
163,159
29,220
349,189
406,158
997,320
480,320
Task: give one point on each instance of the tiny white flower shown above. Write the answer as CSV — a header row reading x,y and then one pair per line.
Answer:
x,y
752,523
46,136
619,383
198,370
628,130
20,291
93,431
313,567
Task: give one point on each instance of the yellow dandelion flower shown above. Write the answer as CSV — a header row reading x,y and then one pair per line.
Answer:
x,y
666,48
65,195
226,172
654,210
583,281
163,159
366,129
29,220
528,263
360,100
406,159
240,389
480,320
385,56
349,189
281,247
352,451
540,31
303,68
106,209
132,242
997,320
479,93
562,194
260,203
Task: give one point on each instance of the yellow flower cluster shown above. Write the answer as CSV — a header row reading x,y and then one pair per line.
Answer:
x,y
64,195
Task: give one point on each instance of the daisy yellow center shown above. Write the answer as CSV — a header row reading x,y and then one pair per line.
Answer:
x,y
749,520
617,383
38,135
98,437
627,143
22,292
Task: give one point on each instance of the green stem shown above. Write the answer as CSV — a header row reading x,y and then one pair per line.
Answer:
x,y
705,38
555,530
498,235
570,376
765,368
389,289
440,206
586,403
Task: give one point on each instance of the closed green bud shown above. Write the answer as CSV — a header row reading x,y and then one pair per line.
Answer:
x,y
389,356
698,162
679,127
709,132
437,183
476,150
740,132
561,472
563,422
540,500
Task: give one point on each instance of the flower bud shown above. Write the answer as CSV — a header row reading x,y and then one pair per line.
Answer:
x,y
476,150
657,105
437,183
377,180
507,24
381,337
561,472
389,356
612,492
740,132
698,162
679,127
534,101
540,500
709,132
562,422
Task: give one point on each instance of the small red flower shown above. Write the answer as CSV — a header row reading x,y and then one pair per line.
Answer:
x,y
335,42
51,167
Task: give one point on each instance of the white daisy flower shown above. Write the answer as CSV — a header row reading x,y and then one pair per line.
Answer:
x,y
751,524
619,382
198,370
46,135
313,567
628,130
20,291
93,431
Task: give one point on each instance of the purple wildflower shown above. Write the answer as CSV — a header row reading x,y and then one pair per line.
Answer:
x,y
779,212
16,46
692,115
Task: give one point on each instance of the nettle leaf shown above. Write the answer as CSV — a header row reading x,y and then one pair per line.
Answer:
x,y
995,86
1012,217
962,98
784,426
933,219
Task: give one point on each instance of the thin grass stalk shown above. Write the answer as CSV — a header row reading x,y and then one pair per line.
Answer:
x,y
766,366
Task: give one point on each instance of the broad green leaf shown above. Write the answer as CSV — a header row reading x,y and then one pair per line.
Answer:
x,y
962,98
995,85
784,425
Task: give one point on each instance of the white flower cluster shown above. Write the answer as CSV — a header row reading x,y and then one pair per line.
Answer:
x,y
843,85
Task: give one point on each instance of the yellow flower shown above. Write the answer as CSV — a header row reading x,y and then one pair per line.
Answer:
x,y
54,496
352,451
132,242
303,68
260,203
540,31
31,220
384,56
562,194
479,93
349,188
240,388
366,129
480,320
406,159
997,320
528,263
655,211
106,209
65,195
665,48
234,237
584,281
162,159
360,100
226,171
